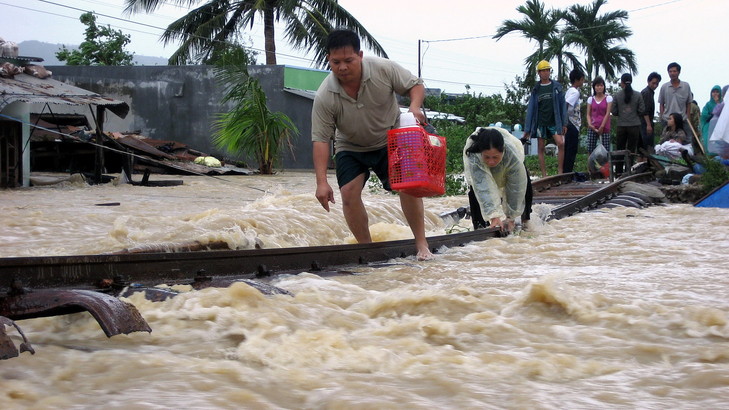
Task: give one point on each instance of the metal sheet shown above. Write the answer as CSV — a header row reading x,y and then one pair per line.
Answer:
x,y
114,315
29,89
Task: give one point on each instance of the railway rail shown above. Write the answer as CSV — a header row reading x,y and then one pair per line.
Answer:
x,y
56,285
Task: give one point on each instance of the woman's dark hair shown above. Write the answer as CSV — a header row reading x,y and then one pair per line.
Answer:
x,y
576,75
596,81
341,38
677,121
627,79
485,139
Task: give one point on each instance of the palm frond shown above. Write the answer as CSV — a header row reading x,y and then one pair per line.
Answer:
x,y
250,127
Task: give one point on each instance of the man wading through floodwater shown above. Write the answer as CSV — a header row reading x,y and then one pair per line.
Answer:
x,y
356,106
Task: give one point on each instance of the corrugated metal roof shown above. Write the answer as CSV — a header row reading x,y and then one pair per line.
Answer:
x,y
30,89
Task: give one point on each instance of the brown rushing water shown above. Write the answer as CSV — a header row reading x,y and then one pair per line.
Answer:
x,y
624,308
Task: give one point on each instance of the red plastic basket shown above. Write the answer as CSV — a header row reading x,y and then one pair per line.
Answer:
x,y
416,161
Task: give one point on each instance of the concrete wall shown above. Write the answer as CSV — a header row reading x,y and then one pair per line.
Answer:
x,y
180,103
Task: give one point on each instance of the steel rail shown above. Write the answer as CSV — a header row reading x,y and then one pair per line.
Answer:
x,y
596,198
93,271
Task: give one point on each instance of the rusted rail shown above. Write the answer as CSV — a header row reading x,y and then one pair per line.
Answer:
x,y
571,197
55,285
599,197
94,271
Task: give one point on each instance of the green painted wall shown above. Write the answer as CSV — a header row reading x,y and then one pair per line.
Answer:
x,y
303,78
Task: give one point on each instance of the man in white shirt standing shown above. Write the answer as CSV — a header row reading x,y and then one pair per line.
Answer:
x,y
572,137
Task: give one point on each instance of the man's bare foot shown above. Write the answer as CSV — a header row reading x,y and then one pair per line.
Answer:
x,y
425,255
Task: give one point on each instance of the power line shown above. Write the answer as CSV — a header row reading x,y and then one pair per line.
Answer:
x,y
283,55
460,83
491,35
138,23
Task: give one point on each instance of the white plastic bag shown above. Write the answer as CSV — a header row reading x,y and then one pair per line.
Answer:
x,y
719,140
597,159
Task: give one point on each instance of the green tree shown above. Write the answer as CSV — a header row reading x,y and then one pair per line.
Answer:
x,y
103,46
223,54
250,127
308,22
538,25
597,36
515,102
557,48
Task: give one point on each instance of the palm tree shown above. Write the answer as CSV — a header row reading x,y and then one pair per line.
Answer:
x,y
250,127
216,22
538,24
597,34
556,47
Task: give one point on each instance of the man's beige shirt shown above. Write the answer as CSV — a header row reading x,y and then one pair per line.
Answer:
x,y
361,124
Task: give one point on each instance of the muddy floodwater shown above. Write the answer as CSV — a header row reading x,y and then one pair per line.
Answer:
x,y
624,308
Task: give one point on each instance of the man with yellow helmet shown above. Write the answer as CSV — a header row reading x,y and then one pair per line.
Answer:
x,y
543,65
547,115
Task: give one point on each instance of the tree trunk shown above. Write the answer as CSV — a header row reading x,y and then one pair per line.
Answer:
x,y
268,34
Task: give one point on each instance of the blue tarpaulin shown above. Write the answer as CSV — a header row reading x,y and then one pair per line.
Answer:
x,y
718,198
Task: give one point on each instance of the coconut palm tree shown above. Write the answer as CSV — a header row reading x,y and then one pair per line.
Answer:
x,y
556,48
596,35
538,24
250,128
214,22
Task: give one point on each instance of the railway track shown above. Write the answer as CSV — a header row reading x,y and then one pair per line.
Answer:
x,y
571,197
56,285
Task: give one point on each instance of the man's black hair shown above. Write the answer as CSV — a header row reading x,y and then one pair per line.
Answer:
x,y
341,38
653,75
576,75
485,139
674,64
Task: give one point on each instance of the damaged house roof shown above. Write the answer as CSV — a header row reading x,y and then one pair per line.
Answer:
x,y
30,89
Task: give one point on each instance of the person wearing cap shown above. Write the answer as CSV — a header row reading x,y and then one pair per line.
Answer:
x,y
493,161
547,115
355,106
628,107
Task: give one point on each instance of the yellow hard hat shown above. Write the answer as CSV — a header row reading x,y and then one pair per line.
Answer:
x,y
543,65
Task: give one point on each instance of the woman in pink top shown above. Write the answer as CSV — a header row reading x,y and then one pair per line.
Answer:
x,y
598,116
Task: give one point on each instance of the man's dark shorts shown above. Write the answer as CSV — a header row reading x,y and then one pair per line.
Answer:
x,y
546,132
350,164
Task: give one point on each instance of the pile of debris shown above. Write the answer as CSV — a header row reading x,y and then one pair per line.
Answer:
x,y
171,157
12,64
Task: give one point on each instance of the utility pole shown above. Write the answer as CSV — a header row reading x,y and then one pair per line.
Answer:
x,y
419,74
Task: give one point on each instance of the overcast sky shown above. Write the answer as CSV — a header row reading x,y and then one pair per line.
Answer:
x,y
691,32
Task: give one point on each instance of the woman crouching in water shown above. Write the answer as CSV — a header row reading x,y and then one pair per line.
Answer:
x,y
493,160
